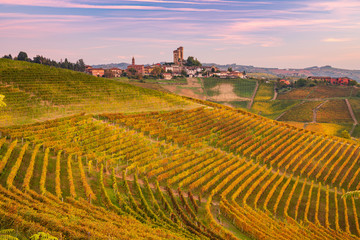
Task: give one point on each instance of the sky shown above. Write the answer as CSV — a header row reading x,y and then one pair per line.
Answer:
x,y
281,33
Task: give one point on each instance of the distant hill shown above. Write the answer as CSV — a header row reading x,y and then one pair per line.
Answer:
x,y
304,72
112,65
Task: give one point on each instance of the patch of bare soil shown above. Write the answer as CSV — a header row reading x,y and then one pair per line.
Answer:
x,y
226,93
193,89
190,93
193,82
171,88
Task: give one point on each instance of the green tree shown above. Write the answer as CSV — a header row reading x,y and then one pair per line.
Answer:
x,y
132,71
352,83
230,69
191,61
7,56
157,71
301,83
22,56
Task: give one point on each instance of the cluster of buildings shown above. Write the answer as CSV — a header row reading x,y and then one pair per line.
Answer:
x,y
333,81
168,70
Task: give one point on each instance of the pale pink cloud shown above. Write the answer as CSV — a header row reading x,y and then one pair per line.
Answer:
x,y
336,40
250,25
68,4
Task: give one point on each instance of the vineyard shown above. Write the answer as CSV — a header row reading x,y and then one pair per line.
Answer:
x,y
197,171
36,92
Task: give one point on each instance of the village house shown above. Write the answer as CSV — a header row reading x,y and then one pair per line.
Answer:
x,y
193,71
167,76
236,74
98,72
284,81
116,72
138,68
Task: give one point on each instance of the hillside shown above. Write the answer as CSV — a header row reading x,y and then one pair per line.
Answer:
x,y
197,171
299,72
323,108
35,92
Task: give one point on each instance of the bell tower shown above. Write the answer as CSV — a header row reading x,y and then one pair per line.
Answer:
x,y
133,61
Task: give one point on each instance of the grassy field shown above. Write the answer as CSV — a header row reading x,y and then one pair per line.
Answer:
x,y
36,92
242,87
296,94
334,111
272,109
302,112
325,91
265,92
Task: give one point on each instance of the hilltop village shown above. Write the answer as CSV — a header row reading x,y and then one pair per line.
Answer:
x,y
179,67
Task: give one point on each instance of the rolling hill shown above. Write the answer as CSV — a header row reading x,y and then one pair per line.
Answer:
x,y
183,169
37,92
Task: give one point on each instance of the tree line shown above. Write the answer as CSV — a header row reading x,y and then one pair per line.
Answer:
x,y
22,56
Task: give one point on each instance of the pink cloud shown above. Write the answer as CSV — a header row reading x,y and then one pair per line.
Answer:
x,y
337,40
265,24
68,4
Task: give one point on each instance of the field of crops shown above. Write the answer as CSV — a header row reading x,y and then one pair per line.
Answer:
x,y
265,92
209,152
296,94
331,129
209,172
334,111
325,91
302,112
272,109
320,91
34,91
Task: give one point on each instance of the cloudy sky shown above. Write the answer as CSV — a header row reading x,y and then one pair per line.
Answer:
x,y
281,33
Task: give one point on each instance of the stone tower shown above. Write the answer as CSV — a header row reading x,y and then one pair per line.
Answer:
x,y
179,56
133,61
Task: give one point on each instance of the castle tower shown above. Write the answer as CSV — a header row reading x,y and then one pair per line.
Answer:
x,y
178,56
133,61
181,54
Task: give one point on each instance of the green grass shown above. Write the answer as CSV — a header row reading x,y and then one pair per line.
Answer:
x,y
265,92
300,113
242,87
272,109
35,92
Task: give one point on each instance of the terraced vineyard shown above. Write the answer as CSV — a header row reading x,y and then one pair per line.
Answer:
x,y
209,172
34,92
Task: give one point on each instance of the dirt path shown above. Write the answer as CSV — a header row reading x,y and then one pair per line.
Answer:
x,y
352,116
275,93
316,109
253,96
